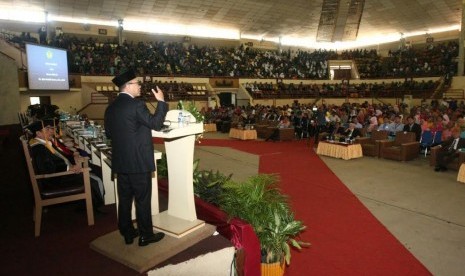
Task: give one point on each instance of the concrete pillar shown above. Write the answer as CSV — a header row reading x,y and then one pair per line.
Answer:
x,y
461,44
120,31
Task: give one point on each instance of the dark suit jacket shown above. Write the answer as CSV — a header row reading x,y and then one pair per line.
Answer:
x,y
339,131
447,143
355,133
128,123
416,128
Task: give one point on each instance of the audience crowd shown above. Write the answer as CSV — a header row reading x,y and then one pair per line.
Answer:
x,y
430,60
92,57
446,116
394,89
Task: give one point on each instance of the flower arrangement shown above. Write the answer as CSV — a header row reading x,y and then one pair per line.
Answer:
x,y
192,109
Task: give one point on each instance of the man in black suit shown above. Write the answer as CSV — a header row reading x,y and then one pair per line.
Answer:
x,y
449,151
128,123
351,132
411,126
337,130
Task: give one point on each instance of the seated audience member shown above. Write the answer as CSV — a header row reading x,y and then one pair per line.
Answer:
x,y
396,126
385,125
49,159
449,151
352,132
411,126
336,130
373,124
250,119
70,153
437,124
357,123
445,118
284,123
426,124
460,125
447,132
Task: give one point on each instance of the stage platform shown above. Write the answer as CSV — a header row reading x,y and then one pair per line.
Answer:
x,y
142,259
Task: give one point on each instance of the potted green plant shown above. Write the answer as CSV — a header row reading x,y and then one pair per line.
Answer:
x,y
259,201
209,185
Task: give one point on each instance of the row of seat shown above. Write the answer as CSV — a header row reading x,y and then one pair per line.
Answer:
x,y
200,87
266,128
111,88
404,147
106,88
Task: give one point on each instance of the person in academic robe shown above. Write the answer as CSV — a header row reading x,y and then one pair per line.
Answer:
x,y
48,159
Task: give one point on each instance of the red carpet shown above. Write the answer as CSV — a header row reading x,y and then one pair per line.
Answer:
x,y
346,238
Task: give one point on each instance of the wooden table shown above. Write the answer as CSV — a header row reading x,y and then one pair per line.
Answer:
x,y
339,150
209,127
243,134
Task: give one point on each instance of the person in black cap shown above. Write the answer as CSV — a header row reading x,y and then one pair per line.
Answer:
x,y
50,159
128,123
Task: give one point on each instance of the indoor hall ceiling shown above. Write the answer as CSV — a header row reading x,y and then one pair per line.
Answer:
x,y
262,18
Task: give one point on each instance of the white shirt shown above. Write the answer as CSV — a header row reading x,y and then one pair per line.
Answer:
x,y
455,143
127,94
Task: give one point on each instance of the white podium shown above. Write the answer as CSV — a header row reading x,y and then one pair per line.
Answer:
x,y
180,219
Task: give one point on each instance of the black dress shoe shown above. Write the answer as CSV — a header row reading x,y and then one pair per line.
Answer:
x,y
129,238
437,169
143,241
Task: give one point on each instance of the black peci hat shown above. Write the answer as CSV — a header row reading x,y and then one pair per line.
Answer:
x,y
124,78
39,125
51,122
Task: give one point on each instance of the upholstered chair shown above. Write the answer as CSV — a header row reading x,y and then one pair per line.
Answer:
x,y
454,165
403,148
371,145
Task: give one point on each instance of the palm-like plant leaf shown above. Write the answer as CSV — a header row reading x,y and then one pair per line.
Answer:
x,y
208,185
260,202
